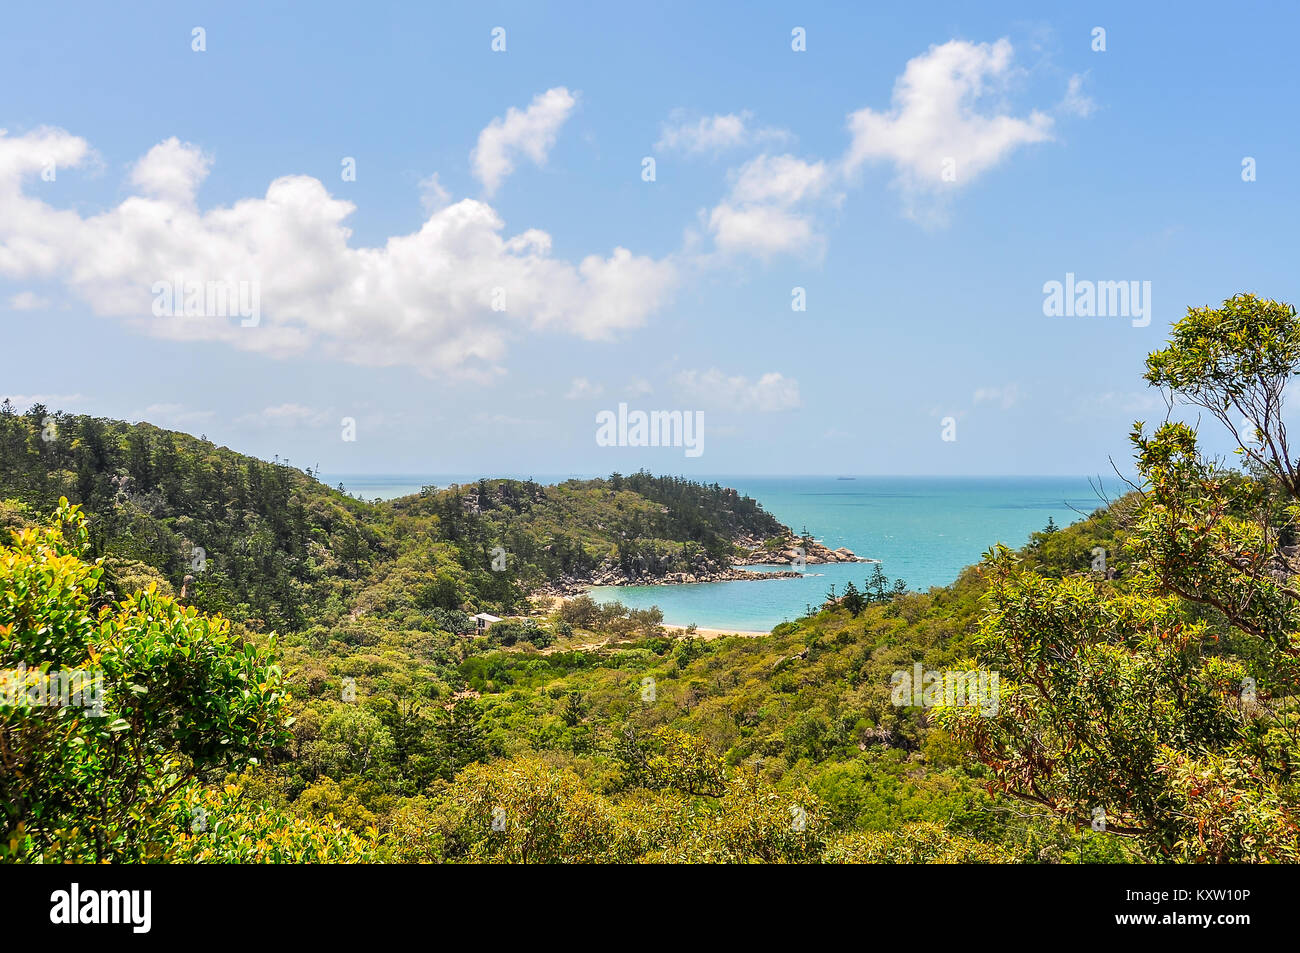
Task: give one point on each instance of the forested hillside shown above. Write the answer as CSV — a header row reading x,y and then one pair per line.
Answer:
x,y
1143,664
279,549
392,739
396,721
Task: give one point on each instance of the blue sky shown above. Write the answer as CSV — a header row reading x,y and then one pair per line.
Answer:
x,y
522,171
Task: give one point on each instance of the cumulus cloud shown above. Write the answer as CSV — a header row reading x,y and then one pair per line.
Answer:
x,y
712,388
938,111
446,298
171,170
764,213
713,134
941,130
530,132
782,180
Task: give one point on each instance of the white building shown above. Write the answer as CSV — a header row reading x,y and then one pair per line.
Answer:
x,y
484,620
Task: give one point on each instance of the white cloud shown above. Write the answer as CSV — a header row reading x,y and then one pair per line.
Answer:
x,y
287,415
1007,397
177,416
432,194
712,388
782,180
424,299
581,389
530,131
1076,101
938,112
172,171
713,134
28,301
761,215
638,387
761,230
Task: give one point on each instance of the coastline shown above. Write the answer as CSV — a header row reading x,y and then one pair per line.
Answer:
x,y
702,633
795,550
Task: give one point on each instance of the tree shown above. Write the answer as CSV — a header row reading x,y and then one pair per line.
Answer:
x,y
527,812
166,695
138,460
460,736
876,586
1234,362
355,741
1162,709
573,710
853,600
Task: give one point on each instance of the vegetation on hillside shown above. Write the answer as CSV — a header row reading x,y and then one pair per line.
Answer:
x,y
1144,707
1161,701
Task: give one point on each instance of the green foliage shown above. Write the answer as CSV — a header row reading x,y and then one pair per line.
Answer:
x,y
528,811
174,696
1160,702
225,826
914,844
853,600
276,542
1147,662
610,618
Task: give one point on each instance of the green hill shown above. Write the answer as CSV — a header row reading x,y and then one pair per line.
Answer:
x,y
392,707
1122,689
280,550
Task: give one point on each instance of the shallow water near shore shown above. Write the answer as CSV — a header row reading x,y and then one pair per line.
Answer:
x,y
923,529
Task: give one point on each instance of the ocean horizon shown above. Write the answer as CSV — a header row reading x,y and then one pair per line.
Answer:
x,y
923,529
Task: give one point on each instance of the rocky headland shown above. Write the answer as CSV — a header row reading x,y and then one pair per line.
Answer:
x,y
749,552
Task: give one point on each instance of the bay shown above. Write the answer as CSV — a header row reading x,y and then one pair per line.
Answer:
x,y
924,530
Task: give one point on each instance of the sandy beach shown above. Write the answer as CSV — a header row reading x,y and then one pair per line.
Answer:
x,y
715,633
552,603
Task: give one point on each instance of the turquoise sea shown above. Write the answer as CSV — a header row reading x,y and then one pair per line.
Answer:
x,y
923,529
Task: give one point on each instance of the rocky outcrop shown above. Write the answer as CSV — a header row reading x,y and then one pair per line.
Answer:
x,y
757,553
752,552
575,585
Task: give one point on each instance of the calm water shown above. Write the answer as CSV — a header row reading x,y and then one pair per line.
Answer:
x,y
923,529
